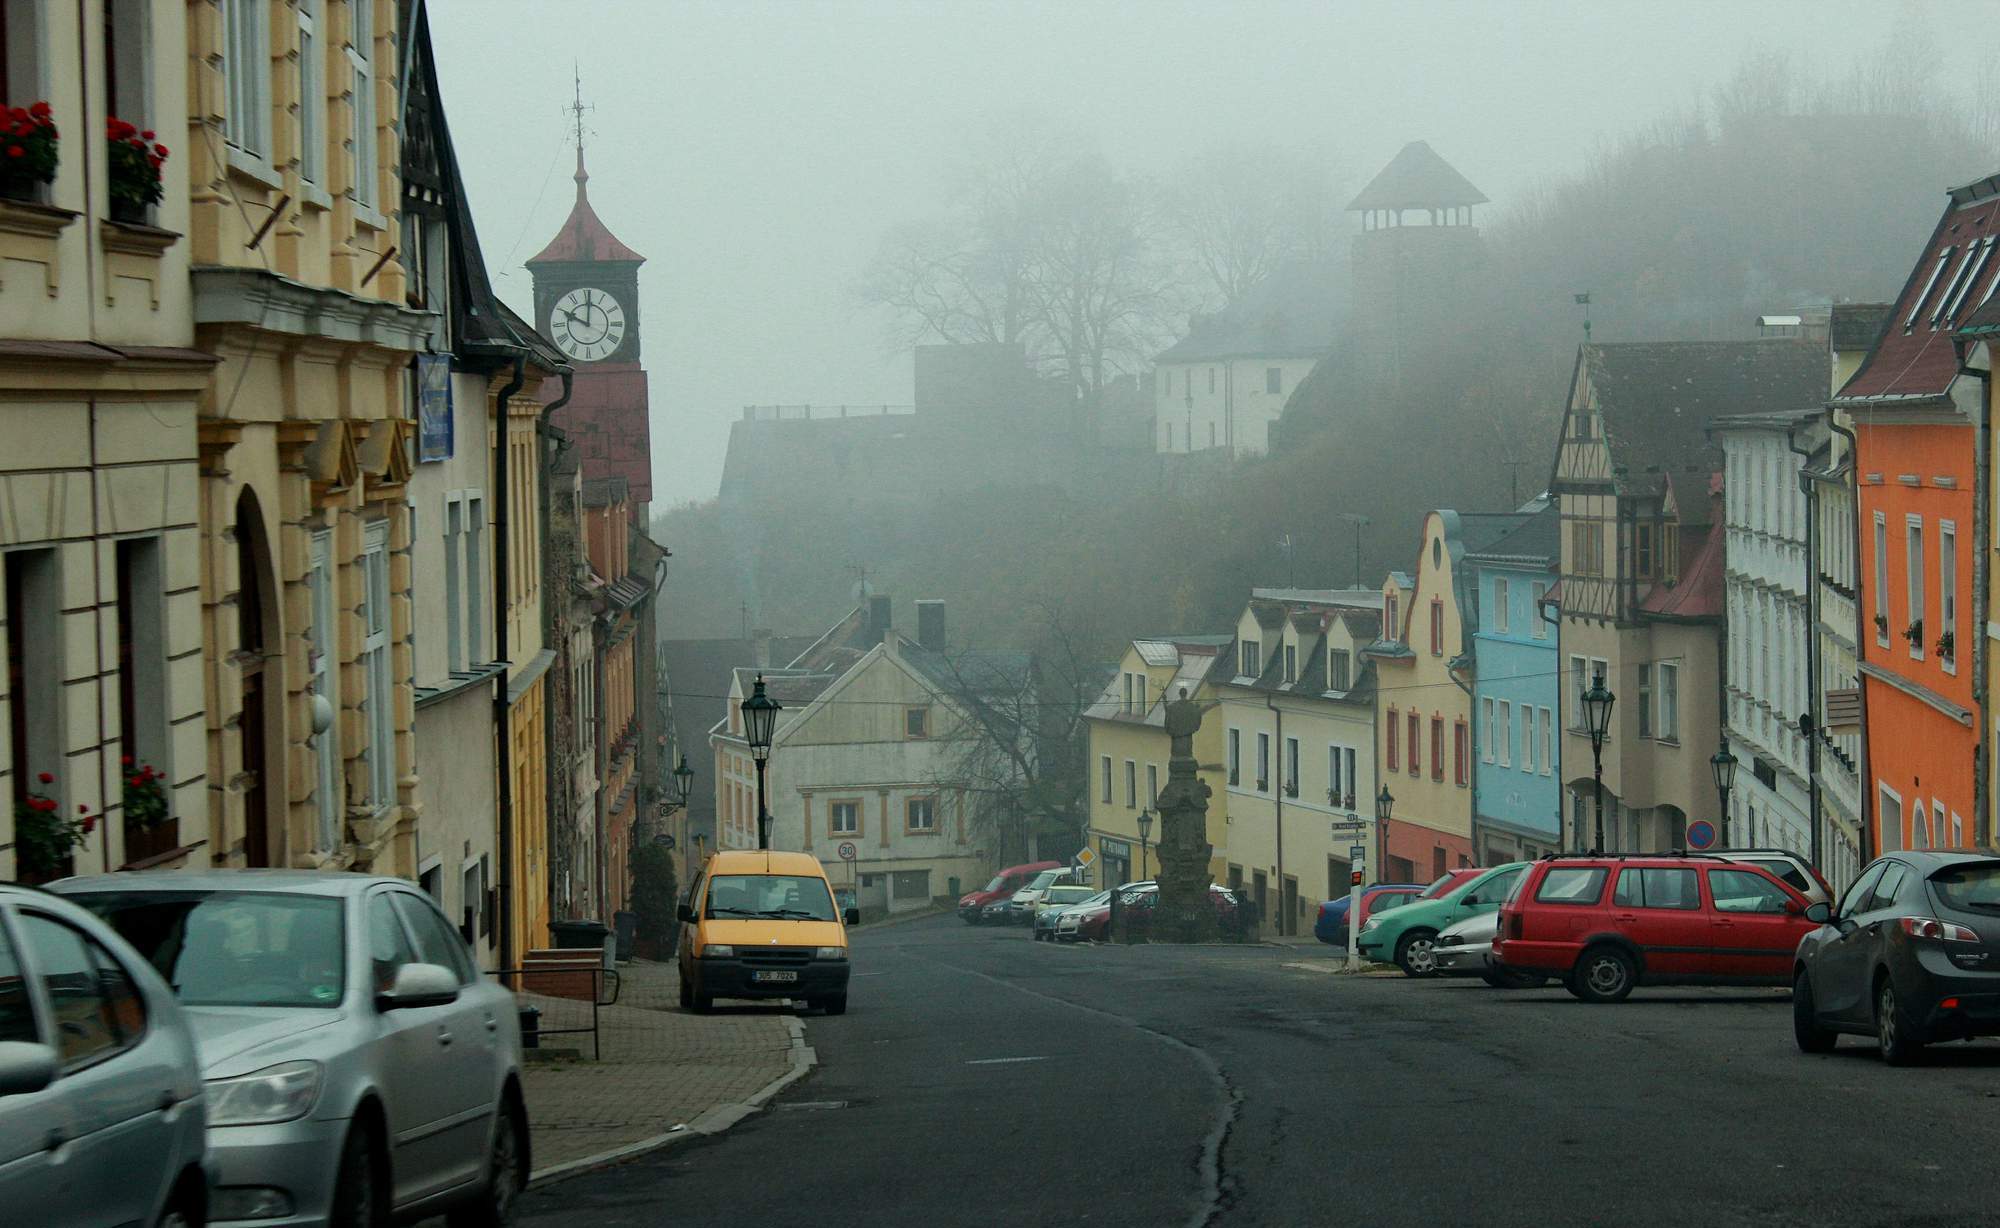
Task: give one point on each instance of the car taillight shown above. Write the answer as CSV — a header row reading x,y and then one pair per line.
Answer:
x,y
1931,927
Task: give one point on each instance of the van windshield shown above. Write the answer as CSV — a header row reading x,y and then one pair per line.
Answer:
x,y
784,897
999,881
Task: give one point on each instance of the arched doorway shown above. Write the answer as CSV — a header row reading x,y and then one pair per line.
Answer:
x,y
263,686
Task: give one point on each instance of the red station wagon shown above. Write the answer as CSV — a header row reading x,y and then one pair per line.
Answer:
x,y
1606,924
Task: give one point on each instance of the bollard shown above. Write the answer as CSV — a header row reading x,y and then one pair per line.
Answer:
x,y
531,1027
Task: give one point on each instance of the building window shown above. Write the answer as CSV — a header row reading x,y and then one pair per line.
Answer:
x,y
1586,542
1505,750
1127,680
127,61
378,704
34,666
1486,730
1645,708
1538,593
1291,767
843,818
1274,380
1263,763
142,653
1152,785
21,79
454,535
1437,627
1339,666
920,816
361,56
1578,683
1913,566
1644,537
1131,785
1548,742
1104,779
1252,658
1527,739
1291,663
1668,727
1889,810
916,722
1500,611
1211,379
1461,759
1336,776
1211,437
1437,748
1881,593
325,672
1389,740
1235,758
246,66
312,92
1946,635
1139,690
1414,726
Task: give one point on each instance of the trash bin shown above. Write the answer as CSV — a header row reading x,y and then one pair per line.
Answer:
x,y
531,1027
952,888
582,936
627,924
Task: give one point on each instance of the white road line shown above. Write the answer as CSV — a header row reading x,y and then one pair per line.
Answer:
x,y
1002,1061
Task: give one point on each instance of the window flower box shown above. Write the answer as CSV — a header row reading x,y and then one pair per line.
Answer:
x,y
43,838
135,159
29,155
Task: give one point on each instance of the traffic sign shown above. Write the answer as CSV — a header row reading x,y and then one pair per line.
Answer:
x,y
1701,834
846,850
1355,852
1086,858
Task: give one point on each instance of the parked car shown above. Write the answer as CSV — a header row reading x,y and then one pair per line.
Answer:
x,y
1135,914
1907,957
997,912
1063,922
101,1096
1607,924
1465,948
359,1068
1021,908
1052,904
1331,924
1091,925
763,925
1789,868
1406,936
972,906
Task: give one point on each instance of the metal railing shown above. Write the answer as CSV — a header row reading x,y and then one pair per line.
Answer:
x,y
604,988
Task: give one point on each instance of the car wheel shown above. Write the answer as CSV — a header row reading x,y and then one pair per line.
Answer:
x,y
1416,953
687,995
1806,1027
836,1005
1895,1035
702,1003
183,1212
1604,974
360,1191
506,1176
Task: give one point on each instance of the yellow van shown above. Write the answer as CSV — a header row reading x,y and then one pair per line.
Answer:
x,y
764,925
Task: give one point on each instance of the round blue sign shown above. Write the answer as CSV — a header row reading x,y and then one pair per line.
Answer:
x,y
1701,834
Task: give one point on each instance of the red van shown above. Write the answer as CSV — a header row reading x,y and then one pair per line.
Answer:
x,y
1606,924
1003,887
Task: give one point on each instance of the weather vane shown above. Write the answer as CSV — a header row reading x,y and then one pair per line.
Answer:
x,y
577,108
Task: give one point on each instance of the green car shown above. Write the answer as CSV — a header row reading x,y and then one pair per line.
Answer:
x,y
1405,936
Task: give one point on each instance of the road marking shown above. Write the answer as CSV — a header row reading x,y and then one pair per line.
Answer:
x,y
1002,1061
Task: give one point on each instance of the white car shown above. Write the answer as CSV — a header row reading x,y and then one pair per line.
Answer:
x,y
1021,909
1787,867
103,1117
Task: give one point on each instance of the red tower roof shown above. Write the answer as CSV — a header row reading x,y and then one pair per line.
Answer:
x,y
584,237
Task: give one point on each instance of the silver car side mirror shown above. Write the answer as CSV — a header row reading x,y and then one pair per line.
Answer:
x,y
419,985
25,1068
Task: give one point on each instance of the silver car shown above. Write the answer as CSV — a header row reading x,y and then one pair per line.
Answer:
x,y
100,1089
358,1066
1465,948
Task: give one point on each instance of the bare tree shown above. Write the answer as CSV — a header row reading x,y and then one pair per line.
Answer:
x,y
1239,213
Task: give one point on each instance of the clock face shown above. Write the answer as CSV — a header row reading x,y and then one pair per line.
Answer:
x,y
587,324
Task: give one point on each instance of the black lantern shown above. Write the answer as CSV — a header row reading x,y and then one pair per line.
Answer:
x,y
1385,801
1723,764
760,720
1597,703
683,783
1145,830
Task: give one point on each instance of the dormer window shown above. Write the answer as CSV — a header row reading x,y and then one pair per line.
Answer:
x,y
1391,625
1252,659
1291,663
1337,669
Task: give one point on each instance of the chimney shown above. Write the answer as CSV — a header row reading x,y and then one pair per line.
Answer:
x,y
930,625
760,647
879,620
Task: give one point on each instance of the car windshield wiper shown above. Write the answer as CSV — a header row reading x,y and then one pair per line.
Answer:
x,y
715,911
783,914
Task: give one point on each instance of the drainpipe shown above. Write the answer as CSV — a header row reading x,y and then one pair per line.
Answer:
x,y
1562,819
1982,503
553,632
1860,629
1278,796
1813,717
502,725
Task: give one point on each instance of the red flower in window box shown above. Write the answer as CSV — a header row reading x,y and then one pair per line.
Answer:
x,y
135,169
43,838
31,150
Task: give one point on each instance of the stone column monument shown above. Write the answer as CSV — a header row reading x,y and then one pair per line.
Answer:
x,y
1184,913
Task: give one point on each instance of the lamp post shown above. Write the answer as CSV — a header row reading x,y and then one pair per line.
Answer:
x,y
760,718
1723,764
1145,829
678,795
1385,804
1597,703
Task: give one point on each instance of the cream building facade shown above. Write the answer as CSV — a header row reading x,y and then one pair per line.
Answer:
x,y
99,387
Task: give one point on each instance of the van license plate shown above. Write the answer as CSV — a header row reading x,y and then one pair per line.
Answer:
x,y
775,978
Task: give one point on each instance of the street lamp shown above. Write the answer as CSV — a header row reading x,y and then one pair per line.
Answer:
x,y
1385,803
760,718
1597,703
683,783
1723,764
1145,829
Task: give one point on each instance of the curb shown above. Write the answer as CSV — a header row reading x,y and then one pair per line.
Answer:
x,y
711,1121
905,918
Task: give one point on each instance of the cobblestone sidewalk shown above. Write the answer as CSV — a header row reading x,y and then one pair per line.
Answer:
x,y
662,1067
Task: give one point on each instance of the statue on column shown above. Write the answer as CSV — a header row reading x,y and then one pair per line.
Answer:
x,y
1184,912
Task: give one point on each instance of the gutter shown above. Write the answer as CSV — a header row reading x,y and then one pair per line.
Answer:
x,y
1278,796
553,635
1812,718
1982,504
502,722
1867,774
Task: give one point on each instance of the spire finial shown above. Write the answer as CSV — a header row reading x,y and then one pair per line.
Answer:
x,y
576,111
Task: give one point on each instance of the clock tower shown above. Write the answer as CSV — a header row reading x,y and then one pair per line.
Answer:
x,y
587,302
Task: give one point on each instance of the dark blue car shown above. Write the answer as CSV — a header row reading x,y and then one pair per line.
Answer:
x,y
1331,927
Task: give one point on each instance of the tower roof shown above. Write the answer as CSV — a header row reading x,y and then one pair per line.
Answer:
x,y
583,236
1417,178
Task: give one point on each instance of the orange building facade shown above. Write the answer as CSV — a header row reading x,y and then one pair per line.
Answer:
x,y
1915,419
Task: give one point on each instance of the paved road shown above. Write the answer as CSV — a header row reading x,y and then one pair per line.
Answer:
x,y
982,1078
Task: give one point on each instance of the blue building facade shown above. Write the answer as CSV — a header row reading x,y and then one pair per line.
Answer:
x,y
1517,699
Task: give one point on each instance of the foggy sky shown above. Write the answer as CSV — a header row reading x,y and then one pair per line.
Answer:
x,y
754,152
